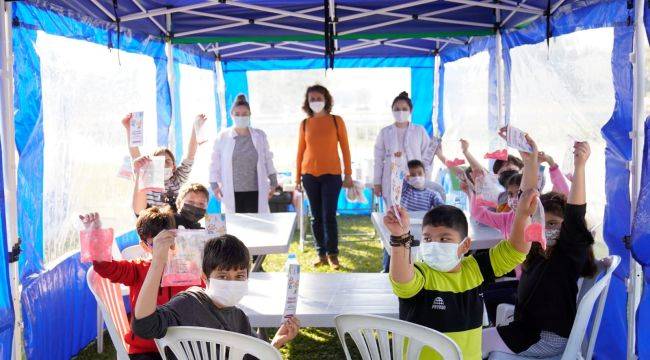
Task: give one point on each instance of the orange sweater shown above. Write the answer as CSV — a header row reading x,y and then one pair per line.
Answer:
x,y
318,152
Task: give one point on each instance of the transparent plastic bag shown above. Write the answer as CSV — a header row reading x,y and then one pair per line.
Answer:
x,y
96,245
136,132
535,231
567,163
487,187
126,170
183,266
355,193
152,175
517,139
215,224
201,131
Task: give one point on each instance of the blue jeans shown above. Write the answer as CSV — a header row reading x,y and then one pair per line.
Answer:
x,y
323,193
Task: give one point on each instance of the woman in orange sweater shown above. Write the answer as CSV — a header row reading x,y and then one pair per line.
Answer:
x,y
319,170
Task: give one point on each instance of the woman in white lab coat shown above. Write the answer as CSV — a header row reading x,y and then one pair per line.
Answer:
x,y
402,140
242,171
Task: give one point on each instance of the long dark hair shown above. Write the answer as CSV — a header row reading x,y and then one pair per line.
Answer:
x,y
321,90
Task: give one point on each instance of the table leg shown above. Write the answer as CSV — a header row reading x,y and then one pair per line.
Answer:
x,y
261,333
257,265
301,219
100,331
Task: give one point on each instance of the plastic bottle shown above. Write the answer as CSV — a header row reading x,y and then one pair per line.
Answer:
x,y
291,260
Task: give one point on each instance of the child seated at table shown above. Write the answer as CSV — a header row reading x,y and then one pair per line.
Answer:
x,y
226,265
132,272
443,291
415,196
546,303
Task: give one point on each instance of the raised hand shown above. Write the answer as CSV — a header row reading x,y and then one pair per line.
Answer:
x,y
397,226
91,221
126,121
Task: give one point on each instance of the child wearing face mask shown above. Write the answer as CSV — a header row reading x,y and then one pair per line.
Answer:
x,y
546,302
131,273
226,265
175,176
415,197
192,203
443,291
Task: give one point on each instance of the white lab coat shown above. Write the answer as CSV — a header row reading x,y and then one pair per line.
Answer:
x,y
417,146
221,168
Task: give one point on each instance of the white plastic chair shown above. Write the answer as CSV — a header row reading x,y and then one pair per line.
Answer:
x,y
199,343
133,252
371,336
592,290
111,306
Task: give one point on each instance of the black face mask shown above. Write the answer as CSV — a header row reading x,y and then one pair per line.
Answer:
x,y
192,213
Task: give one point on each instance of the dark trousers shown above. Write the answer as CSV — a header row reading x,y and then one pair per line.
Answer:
x,y
246,202
386,262
323,193
499,293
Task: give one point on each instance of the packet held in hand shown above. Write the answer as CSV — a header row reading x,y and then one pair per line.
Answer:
x,y
183,266
136,133
535,231
152,175
293,281
517,139
396,182
568,163
126,171
215,224
487,187
355,193
200,131
96,245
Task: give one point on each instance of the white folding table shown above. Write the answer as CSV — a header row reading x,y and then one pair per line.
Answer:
x,y
483,237
322,296
263,234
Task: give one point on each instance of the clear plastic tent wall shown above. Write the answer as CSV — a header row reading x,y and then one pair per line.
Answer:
x,y
71,92
55,298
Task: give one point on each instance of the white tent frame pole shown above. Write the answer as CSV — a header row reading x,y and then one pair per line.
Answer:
x,y
634,283
171,81
436,95
501,106
9,167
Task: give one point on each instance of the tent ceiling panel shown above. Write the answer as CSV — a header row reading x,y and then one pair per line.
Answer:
x,y
272,29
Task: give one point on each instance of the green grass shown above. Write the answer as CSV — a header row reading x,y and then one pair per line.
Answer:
x,y
311,343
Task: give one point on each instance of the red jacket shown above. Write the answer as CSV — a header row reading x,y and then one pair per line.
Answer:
x,y
132,273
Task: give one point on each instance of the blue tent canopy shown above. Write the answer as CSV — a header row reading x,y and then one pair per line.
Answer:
x,y
426,36
299,29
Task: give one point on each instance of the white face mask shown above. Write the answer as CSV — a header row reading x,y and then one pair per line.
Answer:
x,y
225,292
317,106
440,256
417,182
241,122
168,173
551,236
402,116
